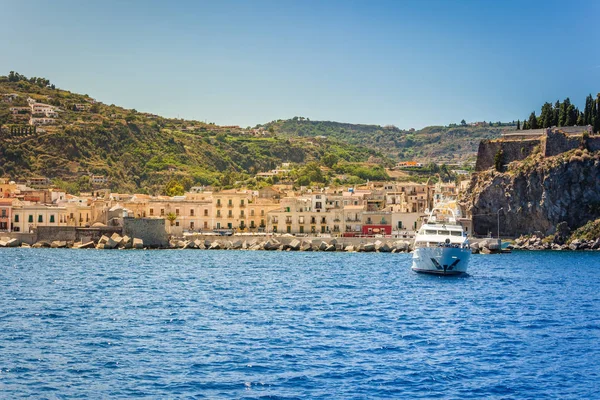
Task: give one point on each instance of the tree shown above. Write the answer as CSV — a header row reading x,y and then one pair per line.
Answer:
x,y
174,188
533,123
518,124
330,159
571,116
171,217
596,122
498,161
463,122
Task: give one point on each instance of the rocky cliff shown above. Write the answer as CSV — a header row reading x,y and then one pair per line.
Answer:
x,y
536,194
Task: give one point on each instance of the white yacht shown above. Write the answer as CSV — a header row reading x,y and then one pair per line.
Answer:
x,y
441,246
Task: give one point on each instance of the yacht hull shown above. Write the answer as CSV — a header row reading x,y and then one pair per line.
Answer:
x,y
441,260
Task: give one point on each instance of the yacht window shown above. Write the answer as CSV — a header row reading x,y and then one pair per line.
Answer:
x,y
456,233
430,232
443,232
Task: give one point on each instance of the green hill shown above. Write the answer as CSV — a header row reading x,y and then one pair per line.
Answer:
x,y
454,143
142,152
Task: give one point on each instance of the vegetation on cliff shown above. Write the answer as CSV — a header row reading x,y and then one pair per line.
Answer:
x,y
589,231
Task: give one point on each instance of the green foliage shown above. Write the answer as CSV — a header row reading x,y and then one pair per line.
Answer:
x,y
171,217
589,231
174,188
499,161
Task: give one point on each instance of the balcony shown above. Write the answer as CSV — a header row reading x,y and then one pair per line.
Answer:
x,y
218,205
242,205
288,221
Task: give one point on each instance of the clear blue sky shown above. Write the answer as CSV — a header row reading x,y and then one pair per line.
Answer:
x,y
410,64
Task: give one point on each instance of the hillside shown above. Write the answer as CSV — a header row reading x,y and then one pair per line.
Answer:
x,y
77,137
449,144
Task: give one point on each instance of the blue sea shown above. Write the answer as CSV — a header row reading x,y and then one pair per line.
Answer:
x,y
234,324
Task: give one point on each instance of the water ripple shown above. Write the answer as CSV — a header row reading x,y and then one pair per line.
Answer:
x,y
168,324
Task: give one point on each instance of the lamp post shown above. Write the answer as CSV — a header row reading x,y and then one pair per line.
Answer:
x,y
498,214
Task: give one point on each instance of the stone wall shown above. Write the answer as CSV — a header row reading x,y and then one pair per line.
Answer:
x,y
512,150
556,142
151,230
50,233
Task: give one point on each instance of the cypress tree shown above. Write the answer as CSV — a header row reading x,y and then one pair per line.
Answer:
x,y
525,125
555,113
587,111
571,116
518,124
533,123
596,107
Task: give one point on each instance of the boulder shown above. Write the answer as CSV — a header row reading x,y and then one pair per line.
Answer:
x,y
216,245
2,243
41,244
245,245
58,244
369,247
485,250
385,248
271,244
100,246
349,248
126,242
378,244
12,243
306,246
138,243
104,239
116,238
331,247
237,244
295,244
199,244
323,246
596,244
188,244
25,246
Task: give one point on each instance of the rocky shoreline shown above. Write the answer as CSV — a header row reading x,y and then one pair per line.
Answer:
x,y
486,246
271,244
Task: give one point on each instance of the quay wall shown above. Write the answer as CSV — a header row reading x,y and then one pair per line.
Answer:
x,y
150,230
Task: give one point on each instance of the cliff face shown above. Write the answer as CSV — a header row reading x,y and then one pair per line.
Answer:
x,y
536,194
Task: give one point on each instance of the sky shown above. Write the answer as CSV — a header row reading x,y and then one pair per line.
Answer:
x,y
406,63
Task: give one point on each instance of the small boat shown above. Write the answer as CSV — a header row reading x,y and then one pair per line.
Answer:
x,y
441,245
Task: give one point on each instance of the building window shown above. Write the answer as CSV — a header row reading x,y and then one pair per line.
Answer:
x,y
176,223
40,219
206,213
252,213
218,213
242,213
274,228
301,229
230,214
252,225
177,211
289,229
262,213
242,202
52,219
16,217
3,215
151,212
218,202
230,202
31,219
205,225
192,225
162,212
192,212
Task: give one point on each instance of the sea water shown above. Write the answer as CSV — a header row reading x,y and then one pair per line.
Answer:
x,y
242,324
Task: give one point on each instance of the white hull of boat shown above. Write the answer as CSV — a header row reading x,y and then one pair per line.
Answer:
x,y
441,260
